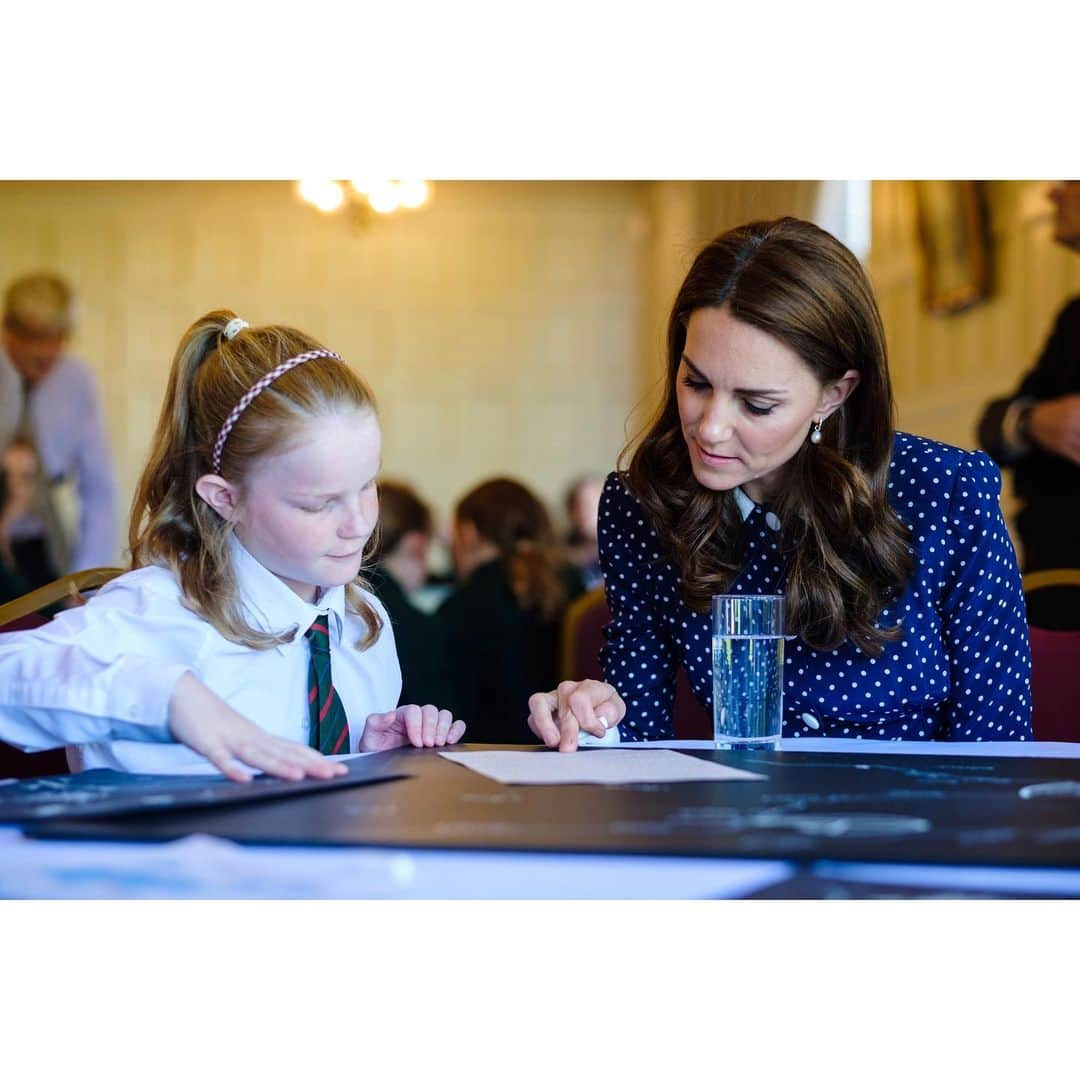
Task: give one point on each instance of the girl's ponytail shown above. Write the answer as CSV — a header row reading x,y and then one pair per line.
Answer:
x,y
165,505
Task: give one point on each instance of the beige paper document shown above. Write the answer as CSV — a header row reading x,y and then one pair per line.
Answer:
x,y
594,767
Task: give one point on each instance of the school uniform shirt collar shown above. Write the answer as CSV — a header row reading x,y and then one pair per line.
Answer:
x,y
273,607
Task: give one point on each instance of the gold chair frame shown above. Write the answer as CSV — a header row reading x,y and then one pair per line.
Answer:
x,y
69,587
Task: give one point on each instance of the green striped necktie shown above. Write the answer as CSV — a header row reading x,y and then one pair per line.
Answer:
x,y
328,731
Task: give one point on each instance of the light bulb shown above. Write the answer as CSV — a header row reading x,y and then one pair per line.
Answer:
x,y
413,193
325,195
384,197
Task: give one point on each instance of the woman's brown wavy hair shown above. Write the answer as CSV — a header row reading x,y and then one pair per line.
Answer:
x,y
171,525
508,515
848,554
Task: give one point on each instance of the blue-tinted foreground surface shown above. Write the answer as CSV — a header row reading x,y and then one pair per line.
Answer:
x,y
205,866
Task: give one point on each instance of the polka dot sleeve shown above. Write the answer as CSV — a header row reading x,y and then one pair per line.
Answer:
x,y
639,659
984,618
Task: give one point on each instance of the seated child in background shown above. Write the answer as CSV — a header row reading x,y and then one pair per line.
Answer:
x,y
17,472
504,619
400,569
248,531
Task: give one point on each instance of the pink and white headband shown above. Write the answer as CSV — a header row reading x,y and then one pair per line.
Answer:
x,y
258,388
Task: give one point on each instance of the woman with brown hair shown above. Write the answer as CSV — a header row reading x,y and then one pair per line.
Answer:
x,y
503,620
773,465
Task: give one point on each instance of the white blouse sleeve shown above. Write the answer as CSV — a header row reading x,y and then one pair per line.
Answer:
x,y
105,670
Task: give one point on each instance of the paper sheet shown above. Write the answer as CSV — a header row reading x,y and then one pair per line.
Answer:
x,y
594,767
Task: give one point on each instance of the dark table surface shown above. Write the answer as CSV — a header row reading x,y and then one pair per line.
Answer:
x,y
983,806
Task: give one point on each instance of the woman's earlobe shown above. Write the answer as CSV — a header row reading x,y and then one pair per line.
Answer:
x,y
218,494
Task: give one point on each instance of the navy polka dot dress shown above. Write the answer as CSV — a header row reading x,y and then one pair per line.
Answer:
x,y
961,671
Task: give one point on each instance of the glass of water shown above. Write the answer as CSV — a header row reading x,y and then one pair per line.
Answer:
x,y
748,670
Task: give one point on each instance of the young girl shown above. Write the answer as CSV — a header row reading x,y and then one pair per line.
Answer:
x,y
248,531
503,621
773,466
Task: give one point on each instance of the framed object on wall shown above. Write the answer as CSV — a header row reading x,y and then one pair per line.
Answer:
x,y
954,244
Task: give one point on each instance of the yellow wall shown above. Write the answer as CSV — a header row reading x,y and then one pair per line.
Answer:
x,y
500,327
509,327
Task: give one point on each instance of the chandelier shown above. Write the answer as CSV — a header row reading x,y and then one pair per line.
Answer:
x,y
364,198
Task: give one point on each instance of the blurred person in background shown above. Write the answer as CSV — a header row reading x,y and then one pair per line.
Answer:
x,y
400,569
17,472
503,621
48,399
583,511
1035,431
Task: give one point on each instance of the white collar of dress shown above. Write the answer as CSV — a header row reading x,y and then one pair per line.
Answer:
x,y
744,503
747,506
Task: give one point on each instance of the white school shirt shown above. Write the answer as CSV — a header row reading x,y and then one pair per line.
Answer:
x,y
101,675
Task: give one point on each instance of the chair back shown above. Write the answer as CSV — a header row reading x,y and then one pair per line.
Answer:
x,y
69,587
1055,684
583,638
1053,598
26,613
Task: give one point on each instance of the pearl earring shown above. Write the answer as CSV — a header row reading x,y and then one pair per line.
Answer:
x,y
815,433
